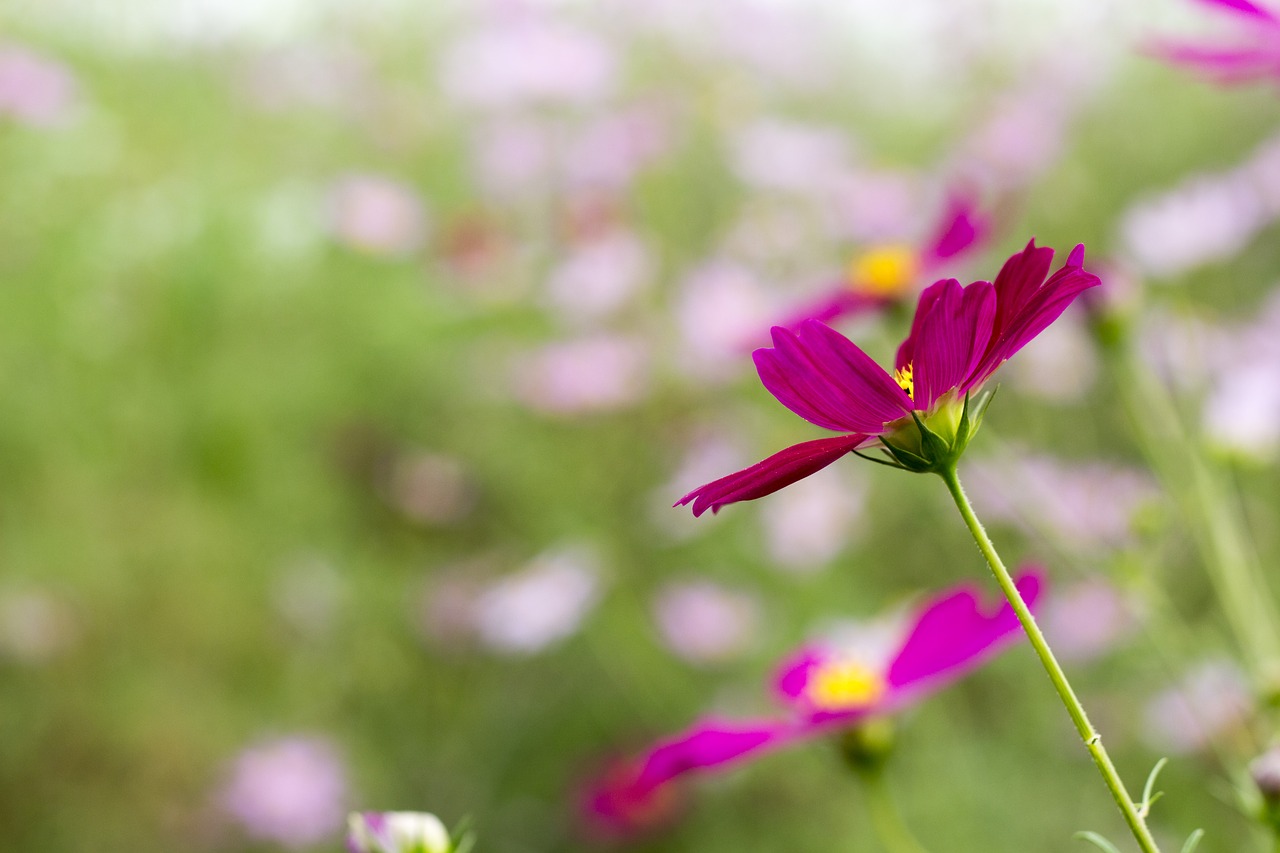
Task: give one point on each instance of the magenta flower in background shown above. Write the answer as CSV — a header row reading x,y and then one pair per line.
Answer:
x,y
886,274
35,90
1252,53
291,791
959,338
825,689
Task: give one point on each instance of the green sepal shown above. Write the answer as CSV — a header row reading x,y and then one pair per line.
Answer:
x,y
907,459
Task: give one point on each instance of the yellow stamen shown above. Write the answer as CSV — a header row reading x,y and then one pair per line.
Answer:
x,y
844,686
906,381
885,271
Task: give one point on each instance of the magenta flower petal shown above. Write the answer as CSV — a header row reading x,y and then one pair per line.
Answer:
x,y
709,743
767,476
826,379
1018,280
928,298
1224,64
794,673
1035,312
956,633
1243,7
953,338
961,229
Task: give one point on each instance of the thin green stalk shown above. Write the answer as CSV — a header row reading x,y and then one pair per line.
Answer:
x,y
1207,505
885,820
1092,739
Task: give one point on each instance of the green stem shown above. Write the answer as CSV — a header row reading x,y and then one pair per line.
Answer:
x,y
885,820
1210,508
1092,740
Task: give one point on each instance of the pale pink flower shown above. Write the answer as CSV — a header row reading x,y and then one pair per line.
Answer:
x,y
600,277
290,791
1021,139
431,488
722,309
533,61
772,154
611,150
1060,365
35,89
592,374
35,626
1211,699
377,215
515,157
704,622
809,524
540,605
1087,619
876,206
1089,507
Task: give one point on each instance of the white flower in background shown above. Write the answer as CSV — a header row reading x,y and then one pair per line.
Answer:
x,y
1210,700
291,791
526,62
308,593
540,605
810,522
397,832
35,626
771,154
1242,412
1087,619
1060,365
431,488
593,374
599,277
377,215
704,622
34,89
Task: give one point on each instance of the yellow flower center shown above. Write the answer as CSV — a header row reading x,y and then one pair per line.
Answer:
x,y
844,686
884,271
906,381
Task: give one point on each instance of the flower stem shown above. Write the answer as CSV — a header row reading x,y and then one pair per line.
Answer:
x,y
1092,739
885,820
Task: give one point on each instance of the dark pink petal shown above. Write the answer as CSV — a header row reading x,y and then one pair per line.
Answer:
x,y
1035,314
708,744
1224,64
953,338
1243,7
955,634
960,230
766,477
826,379
907,351
1018,281
792,678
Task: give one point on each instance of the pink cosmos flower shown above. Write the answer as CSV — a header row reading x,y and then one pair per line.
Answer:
x,y
960,336
291,791
34,89
825,690
885,274
1253,54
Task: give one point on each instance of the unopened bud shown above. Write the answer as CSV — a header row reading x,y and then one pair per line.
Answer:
x,y
867,745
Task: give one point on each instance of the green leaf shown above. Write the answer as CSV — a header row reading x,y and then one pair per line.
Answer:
x,y
1147,799
1193,841
1097,841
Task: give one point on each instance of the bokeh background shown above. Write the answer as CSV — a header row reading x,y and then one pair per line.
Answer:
x,y
353,354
